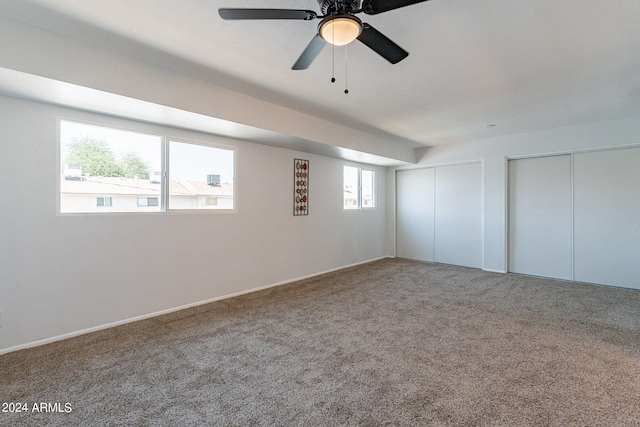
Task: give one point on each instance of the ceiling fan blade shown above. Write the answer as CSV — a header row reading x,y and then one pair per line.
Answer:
x,y
304,15
310,52
373,7
381,44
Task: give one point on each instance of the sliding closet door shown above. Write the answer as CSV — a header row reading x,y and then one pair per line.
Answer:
x,y
458,215
414,214
607,217
540,221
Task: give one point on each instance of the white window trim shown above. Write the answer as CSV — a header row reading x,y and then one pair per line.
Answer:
x,y
166,176
166,134
359,206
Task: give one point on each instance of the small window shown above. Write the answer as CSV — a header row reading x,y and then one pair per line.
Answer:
x,y
367,189
351,186
211,201
148,201
359,188
104,202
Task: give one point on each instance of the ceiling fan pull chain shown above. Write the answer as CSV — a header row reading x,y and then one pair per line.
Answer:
x,y
346,68
333,58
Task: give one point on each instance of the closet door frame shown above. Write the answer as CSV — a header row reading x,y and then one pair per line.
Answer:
x,y
434,231
571,153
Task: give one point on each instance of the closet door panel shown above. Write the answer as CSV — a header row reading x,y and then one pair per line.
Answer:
x,y
607,217
540,218
458,215
414,214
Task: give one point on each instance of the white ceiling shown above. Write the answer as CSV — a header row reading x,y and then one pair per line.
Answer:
x,y
519,65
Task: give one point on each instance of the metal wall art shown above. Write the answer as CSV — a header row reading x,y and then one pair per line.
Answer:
x,y
301,188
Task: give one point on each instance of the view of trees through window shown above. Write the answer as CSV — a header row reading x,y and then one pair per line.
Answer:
x,y
96,158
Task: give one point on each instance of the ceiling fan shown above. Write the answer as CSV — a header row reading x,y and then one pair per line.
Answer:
x,y
338,26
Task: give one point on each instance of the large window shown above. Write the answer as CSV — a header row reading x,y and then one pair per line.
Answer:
x,y
124,171
359,188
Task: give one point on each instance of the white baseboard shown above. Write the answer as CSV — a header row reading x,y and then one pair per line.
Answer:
x,y
171,310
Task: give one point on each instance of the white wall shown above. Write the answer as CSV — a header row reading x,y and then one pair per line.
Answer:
x,y
494,152
63,274
32,50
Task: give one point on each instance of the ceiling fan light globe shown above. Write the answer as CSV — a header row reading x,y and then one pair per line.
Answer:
x,y
340,31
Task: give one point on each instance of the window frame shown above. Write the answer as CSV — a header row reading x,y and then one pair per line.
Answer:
x,y
147,199
166,134
359,192
166,176
104,202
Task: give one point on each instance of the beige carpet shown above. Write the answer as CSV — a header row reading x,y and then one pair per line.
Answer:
x,y
394,342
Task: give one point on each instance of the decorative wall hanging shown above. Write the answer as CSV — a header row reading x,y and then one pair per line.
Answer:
x,y
301,188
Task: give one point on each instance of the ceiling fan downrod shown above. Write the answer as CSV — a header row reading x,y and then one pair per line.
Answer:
x,y
333,7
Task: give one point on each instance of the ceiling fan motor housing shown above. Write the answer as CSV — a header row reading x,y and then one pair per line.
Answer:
x,y
328,7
